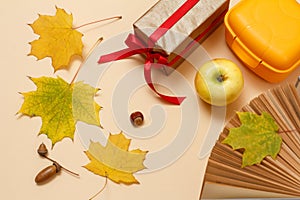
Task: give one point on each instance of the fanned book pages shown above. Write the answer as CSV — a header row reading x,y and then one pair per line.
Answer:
x,y
280,175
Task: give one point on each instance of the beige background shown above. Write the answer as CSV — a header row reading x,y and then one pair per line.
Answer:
x,y
19,160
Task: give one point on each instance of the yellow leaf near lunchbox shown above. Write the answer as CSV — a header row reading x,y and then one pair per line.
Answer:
x,y
265,36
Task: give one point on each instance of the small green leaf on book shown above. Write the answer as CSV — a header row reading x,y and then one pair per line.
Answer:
x,y
257,135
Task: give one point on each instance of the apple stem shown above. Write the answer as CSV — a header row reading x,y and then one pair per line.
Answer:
x,y
101,20
221,78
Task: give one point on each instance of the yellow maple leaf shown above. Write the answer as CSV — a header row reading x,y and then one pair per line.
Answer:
x,y
58,40
115,161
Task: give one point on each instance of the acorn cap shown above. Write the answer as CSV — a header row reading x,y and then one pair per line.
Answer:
x,y
42,150
58,166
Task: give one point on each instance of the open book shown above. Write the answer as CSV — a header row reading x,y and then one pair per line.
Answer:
x,y
280,175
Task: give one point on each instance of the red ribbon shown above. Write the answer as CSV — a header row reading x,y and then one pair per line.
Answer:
x,y
135,46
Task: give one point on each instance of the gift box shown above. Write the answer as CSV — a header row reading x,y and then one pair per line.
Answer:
x,y
178,40
265,36
168,32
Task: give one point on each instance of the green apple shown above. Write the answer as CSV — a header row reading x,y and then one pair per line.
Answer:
x,y
219,82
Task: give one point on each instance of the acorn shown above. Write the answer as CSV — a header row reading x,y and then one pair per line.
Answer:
x,y
42,150
47,173
51,170
137,118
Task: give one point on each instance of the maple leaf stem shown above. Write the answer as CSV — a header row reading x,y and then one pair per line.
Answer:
x,y
101,20
288,131
100,189
88,54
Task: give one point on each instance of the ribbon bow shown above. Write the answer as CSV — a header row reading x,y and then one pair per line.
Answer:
x,y
136,46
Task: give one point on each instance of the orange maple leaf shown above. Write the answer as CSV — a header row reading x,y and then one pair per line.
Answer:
x,y
58,39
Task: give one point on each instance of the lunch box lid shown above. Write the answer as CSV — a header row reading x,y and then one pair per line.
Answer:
x,y
269,29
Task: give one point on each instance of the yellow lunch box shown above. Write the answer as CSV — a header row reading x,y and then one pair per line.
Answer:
x,y
265,36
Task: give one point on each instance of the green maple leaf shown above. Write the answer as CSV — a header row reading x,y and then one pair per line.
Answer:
x,y
61,105
258,136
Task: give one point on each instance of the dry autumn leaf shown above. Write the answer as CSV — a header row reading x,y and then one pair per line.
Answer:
x,y
258,136
58,40
61,105
115,161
